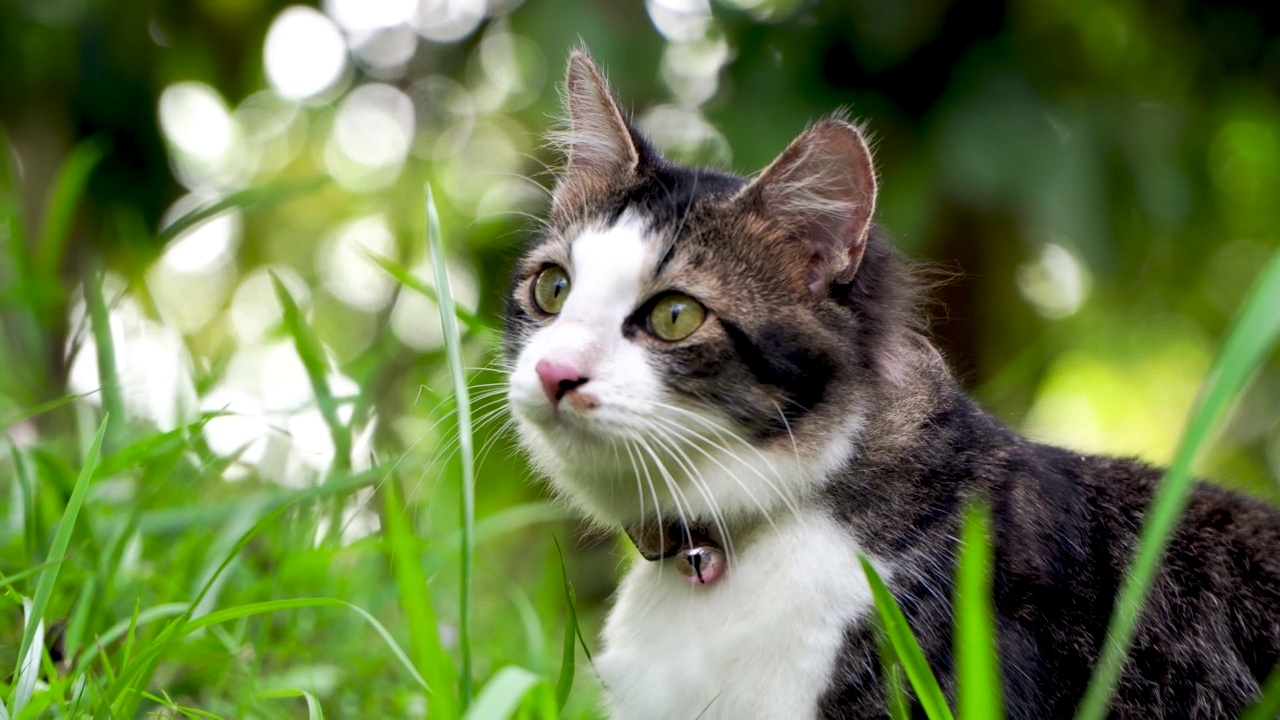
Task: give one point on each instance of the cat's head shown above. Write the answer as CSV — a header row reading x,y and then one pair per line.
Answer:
x,y
685,342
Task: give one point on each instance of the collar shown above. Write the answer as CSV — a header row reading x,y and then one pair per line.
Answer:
x,y
699,558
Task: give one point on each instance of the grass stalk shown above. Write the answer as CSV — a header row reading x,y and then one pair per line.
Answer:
x,y
923,681
1251,337
58,550
466,446
976,650
104,346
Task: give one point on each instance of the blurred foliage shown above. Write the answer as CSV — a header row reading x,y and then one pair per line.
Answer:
x,y
1100,177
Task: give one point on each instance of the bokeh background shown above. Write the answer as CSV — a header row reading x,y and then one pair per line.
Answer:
x,y
1098,179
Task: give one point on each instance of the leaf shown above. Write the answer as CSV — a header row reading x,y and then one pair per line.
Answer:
x,y
415,600
49,576
73,177
567,657
474,324
1252,336
1268,706
314,711
908,650
316,363
466,446
255,197
504,693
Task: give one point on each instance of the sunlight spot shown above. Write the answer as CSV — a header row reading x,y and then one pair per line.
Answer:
x,y
415,319
680,20
204,245
685,134
447,21
348,272
195,120
385,51
304,54
374,125
692,69
1056,284
190,281
154,370
363,15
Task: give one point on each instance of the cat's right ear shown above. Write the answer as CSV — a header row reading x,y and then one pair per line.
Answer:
x,y
599,142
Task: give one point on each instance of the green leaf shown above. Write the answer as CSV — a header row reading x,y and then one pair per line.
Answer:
x,y
316,363
466,445
1252,336
892,677
314,711
567,656
474,324
1268,706
977,654
415,600
61,539
73,177
507,690
908,650
256,197
104,344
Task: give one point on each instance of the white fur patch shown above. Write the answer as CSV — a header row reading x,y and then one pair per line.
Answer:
x,y
759,643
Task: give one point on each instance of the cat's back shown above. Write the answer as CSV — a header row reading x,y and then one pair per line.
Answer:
x,y
1209,634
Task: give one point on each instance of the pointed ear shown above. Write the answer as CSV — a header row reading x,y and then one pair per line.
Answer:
x,y
822,188
598,141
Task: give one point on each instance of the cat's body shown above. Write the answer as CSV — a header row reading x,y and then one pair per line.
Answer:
x,y
745,357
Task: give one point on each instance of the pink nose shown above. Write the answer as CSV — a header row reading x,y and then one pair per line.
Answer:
x,y
558,379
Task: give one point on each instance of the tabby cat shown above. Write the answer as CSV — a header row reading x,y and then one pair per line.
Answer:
x,y
734,372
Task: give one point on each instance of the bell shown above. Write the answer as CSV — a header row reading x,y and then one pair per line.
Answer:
x,y
701,564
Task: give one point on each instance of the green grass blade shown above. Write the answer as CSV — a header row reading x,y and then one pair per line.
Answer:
x,y
466,446
104,345
314,711
474,324
61,539
256,197
1252,336
415,601
316,363
567,656
507,690
72,179
1268,706
908,650
891,677
26,486
977,656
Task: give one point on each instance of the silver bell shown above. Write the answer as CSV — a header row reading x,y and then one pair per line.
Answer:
x,y
701,565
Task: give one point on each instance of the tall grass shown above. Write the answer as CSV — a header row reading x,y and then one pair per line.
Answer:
x,y
148,584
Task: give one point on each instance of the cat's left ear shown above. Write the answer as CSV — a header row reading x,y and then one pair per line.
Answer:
x,y
822,188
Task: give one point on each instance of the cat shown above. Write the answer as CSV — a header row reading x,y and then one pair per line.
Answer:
x,y
735,372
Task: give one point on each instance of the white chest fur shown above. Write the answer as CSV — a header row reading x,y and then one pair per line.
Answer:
x,y
760,643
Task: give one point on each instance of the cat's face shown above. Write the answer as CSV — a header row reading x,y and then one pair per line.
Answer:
x,y
673,351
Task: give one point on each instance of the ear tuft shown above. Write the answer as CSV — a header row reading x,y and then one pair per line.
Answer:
x,y
823,189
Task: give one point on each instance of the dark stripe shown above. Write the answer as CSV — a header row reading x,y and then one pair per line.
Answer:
x,y
775,358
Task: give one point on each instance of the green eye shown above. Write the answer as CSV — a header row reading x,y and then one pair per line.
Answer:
x,y
675,317
550,289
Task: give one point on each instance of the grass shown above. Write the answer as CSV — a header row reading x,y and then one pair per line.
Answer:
x,y
178,593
